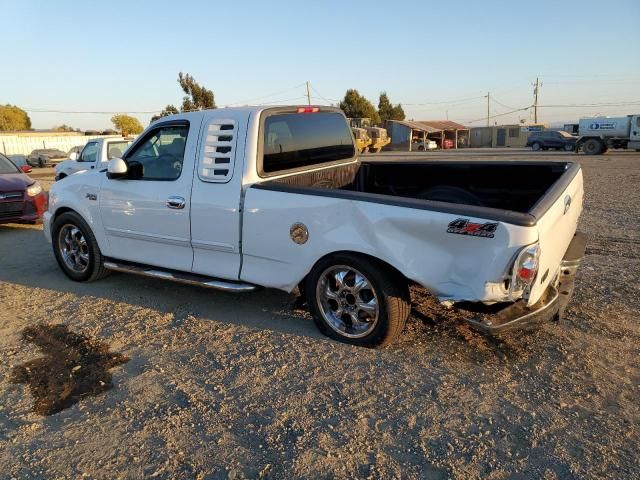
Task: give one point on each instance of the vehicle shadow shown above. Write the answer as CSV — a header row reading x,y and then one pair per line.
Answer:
x,y
26,259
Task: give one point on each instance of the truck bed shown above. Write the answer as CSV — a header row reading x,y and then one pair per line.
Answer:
x,y
510,191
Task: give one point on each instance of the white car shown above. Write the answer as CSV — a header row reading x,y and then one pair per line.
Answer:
x,y
94,155
421,146
236,198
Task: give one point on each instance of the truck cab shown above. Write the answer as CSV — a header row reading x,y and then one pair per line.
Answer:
x,y
94,155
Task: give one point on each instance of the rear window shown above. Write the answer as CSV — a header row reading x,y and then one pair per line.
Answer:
x,y
296,140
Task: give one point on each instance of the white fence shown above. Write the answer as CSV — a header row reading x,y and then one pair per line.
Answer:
x,y
19,144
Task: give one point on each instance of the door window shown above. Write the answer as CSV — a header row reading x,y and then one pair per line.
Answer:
x,y
160,154
89,152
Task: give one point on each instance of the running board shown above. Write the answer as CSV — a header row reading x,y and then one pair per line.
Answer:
x,y
180,277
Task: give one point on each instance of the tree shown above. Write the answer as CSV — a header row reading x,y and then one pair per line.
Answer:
x,y
13,118
65,128
126,124
168,110
197,97
355,105
387,111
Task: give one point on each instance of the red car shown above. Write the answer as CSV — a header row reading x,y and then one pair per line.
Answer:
x,y
21,198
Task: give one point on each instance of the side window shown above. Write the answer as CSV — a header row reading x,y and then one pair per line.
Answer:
x,y
160,154
89,152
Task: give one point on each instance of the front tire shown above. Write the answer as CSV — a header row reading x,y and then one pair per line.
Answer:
x,y
536,146
357,300
76,249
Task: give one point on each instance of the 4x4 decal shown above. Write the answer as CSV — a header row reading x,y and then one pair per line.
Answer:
x,y
463,226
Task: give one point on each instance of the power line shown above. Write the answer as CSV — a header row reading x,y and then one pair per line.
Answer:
x,y
245,102
607,104
502,104
444,102
42,110
328,100
500,114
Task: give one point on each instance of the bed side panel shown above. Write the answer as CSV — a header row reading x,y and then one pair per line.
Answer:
x,y
454,266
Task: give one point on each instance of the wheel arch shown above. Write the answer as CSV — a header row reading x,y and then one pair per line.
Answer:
x,y
91,224
365,256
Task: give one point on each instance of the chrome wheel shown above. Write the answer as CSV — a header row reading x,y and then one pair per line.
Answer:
x,y
73,248
348,302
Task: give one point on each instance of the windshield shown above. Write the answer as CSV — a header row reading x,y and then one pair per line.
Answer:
x,y
6,166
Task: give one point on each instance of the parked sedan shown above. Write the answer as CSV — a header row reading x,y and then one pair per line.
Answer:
x,y
22,199
551,139
46,157
20,161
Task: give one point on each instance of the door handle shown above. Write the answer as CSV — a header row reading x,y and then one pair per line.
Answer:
x,y
176,202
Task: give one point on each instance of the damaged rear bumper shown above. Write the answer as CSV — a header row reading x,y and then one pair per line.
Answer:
x,y
550,307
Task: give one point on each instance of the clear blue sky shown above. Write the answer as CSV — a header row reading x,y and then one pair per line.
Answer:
x,y
125,56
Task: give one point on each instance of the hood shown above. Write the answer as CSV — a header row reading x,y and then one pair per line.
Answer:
x,y
62,165
12,182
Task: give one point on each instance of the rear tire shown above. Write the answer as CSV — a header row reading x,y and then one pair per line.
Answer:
x,y
569,148
335,305
76,249
592,147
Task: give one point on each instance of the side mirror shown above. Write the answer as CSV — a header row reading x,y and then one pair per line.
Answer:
x,y
74,156
117,168
26,168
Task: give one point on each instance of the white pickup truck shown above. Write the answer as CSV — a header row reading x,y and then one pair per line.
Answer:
x,y
237,198
95,155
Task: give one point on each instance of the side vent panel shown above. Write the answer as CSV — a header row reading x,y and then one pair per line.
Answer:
x,y
218,157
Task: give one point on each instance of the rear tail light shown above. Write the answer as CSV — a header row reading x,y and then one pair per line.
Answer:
x,y
525,270
308,110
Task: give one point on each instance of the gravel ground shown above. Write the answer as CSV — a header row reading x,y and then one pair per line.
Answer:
x,y
209,385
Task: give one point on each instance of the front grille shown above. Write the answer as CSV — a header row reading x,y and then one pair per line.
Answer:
x,y
11,209
10,195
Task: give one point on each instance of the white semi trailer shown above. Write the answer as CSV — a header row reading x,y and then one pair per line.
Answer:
x,y
596,135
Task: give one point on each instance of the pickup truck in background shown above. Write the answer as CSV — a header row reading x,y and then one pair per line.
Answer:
x,y
95,155
237,198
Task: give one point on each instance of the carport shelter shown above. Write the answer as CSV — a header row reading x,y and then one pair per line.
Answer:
x,y
403,131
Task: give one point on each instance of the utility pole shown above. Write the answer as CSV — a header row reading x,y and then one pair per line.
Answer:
x,y
308,94
536,87
487,96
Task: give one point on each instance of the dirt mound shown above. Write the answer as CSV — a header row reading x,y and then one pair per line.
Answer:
x,y
73,367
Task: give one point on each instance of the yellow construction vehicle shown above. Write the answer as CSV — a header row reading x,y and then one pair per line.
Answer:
x,y
362,139
379,138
